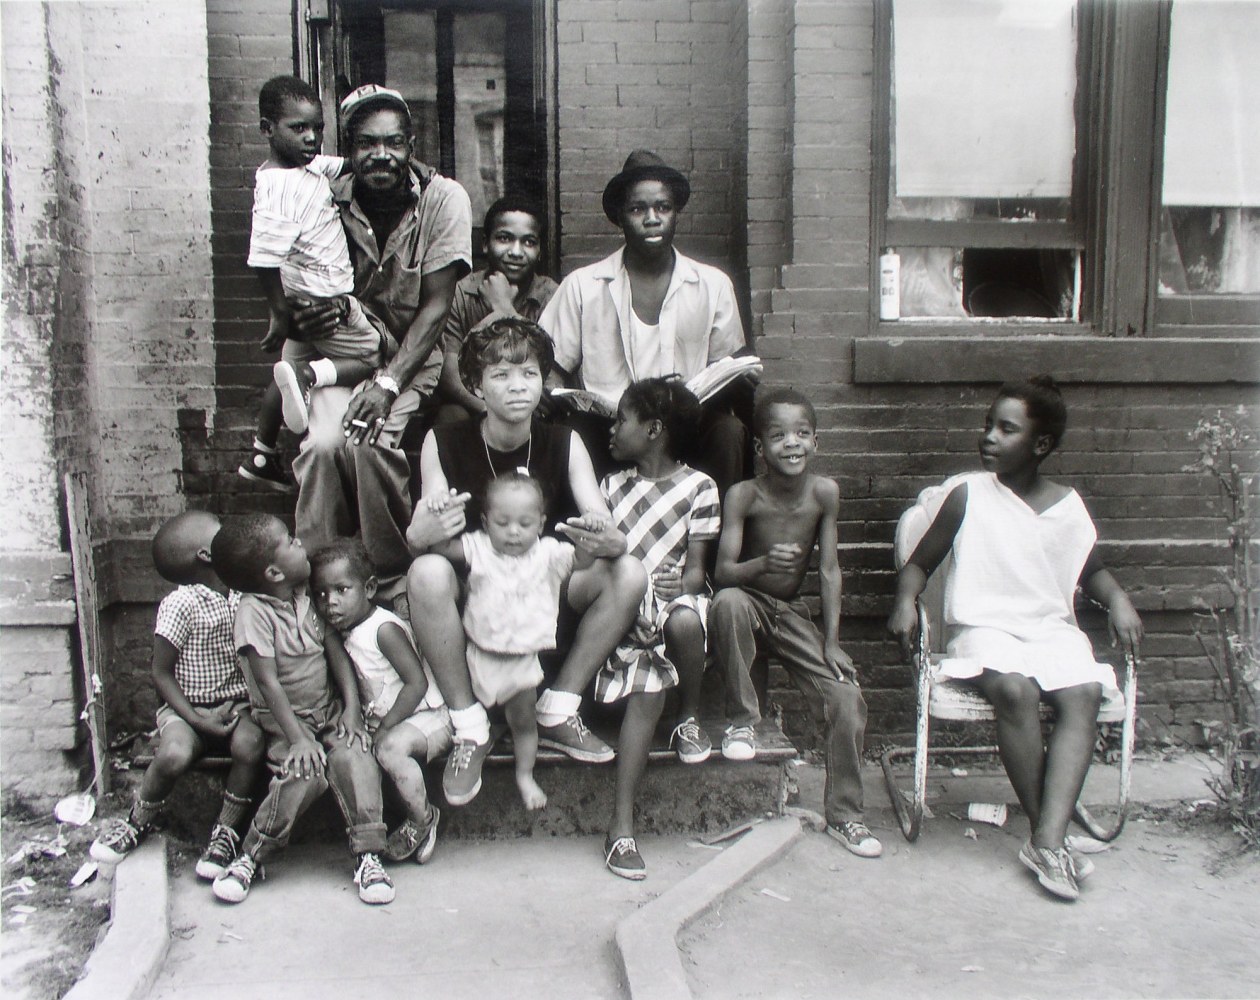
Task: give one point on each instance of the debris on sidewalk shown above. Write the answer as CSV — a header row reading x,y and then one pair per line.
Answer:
x,y
76,809
987,812
87,871
776,895
970,833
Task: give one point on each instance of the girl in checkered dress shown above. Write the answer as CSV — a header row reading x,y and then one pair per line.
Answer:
x,y
670,515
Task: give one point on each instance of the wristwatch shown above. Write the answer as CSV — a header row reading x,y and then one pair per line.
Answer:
x,y
388,383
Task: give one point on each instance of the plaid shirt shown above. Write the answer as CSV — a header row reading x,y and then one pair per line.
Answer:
x,y
198,621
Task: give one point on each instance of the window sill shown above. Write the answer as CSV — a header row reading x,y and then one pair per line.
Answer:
x,y
925,356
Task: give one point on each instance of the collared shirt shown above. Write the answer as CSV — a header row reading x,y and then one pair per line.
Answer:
x,y
437,232
296,227
469,307
291,634
197,620
589,322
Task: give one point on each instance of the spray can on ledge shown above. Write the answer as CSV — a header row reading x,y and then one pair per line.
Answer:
x,y
890,285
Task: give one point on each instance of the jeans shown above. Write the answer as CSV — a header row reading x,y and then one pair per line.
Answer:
x,y
346,489
740,622
350,772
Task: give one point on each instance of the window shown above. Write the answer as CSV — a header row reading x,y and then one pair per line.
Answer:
x,y
1209,222
1055,166
470,70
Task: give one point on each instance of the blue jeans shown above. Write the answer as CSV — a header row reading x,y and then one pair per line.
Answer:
x,y
351,773
744,621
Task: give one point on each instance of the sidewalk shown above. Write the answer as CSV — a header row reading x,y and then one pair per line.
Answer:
x,y
537,916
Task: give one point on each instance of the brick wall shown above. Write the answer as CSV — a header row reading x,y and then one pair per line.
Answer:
x,y
659,75
810,269
106,266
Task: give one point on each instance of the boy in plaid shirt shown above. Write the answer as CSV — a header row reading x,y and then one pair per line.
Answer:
x,y
204,700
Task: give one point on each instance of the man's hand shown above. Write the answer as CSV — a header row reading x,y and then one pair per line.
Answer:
x,y
500,293
217,723
314,319
436,520
366,413
840,662
783,557
305,760
903,624
594,535
277,333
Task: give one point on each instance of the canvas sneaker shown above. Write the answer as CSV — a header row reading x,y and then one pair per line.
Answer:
x,y
691,742
264,468
573,738
739,743
234,884
375,885
461,781
1052,868
219,853
117,839
402,843
857,838
428,838
1082,867
622,857
294,396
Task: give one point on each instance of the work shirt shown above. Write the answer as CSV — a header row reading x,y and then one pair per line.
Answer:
x,y
469,307
589,320
435,233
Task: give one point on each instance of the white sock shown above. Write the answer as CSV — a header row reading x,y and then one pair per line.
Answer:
x,y
325,372
471,723
556,706
266,449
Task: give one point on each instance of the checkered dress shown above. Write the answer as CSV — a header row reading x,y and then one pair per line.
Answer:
x,y
659,518
197,621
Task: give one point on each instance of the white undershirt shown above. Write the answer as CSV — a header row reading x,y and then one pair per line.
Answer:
x,y
644,345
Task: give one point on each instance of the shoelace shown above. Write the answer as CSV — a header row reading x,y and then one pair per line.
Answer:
x,y
857,831
740,733
579,727
461,755
622,846
686,731
118,831
370,871
244,868
224,837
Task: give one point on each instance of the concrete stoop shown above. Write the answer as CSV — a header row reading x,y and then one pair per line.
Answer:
x,y
673,798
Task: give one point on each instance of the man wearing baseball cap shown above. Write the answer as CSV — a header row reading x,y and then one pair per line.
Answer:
x,y
410,235
647,310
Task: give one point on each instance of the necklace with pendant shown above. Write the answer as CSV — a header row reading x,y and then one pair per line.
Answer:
x,y
523,469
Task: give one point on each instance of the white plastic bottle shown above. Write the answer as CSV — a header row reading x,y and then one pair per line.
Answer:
x,y
890,285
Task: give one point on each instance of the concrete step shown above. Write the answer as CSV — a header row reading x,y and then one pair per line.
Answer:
x,y
673,797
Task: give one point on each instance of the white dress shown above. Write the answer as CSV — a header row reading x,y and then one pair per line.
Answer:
x,y
1009,602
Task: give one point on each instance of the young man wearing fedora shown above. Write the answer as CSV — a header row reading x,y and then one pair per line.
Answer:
x,y
648,310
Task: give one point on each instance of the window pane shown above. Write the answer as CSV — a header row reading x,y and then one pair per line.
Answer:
x,y
983,94
480,92
979,283
411,69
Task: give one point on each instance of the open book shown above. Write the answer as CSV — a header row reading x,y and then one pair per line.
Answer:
x,y
705,384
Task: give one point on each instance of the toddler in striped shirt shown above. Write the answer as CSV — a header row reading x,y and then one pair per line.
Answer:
x,y
298,249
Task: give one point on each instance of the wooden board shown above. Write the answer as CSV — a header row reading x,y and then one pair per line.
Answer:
x,y
88,607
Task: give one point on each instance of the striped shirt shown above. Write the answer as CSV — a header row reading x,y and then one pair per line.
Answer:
x,y
660,516
296,227
198,621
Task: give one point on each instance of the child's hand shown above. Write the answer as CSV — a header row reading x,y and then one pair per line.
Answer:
x,y
668,582
440,502
351,728
277,333
903,623
783,557
216,722
1125,625
305,760
840,662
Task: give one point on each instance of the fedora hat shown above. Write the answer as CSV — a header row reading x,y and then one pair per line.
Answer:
x,y
643,165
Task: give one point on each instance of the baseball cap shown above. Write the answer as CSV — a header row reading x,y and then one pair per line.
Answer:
x,y
372,95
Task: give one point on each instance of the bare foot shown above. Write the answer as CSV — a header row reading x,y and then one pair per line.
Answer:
x,y
531,794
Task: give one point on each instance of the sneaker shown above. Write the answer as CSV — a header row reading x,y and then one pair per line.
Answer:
x,y
219,853
375,886
1082,867
402,843
857,838
233,885
572,737
691,742
117,839
739,743
461,781
1052,868
428,839
623,858
265,468
294,396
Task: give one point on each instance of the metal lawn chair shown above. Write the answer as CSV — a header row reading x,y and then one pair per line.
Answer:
x,y
941,698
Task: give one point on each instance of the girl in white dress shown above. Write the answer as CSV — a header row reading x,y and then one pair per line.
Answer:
x,y
1021,545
